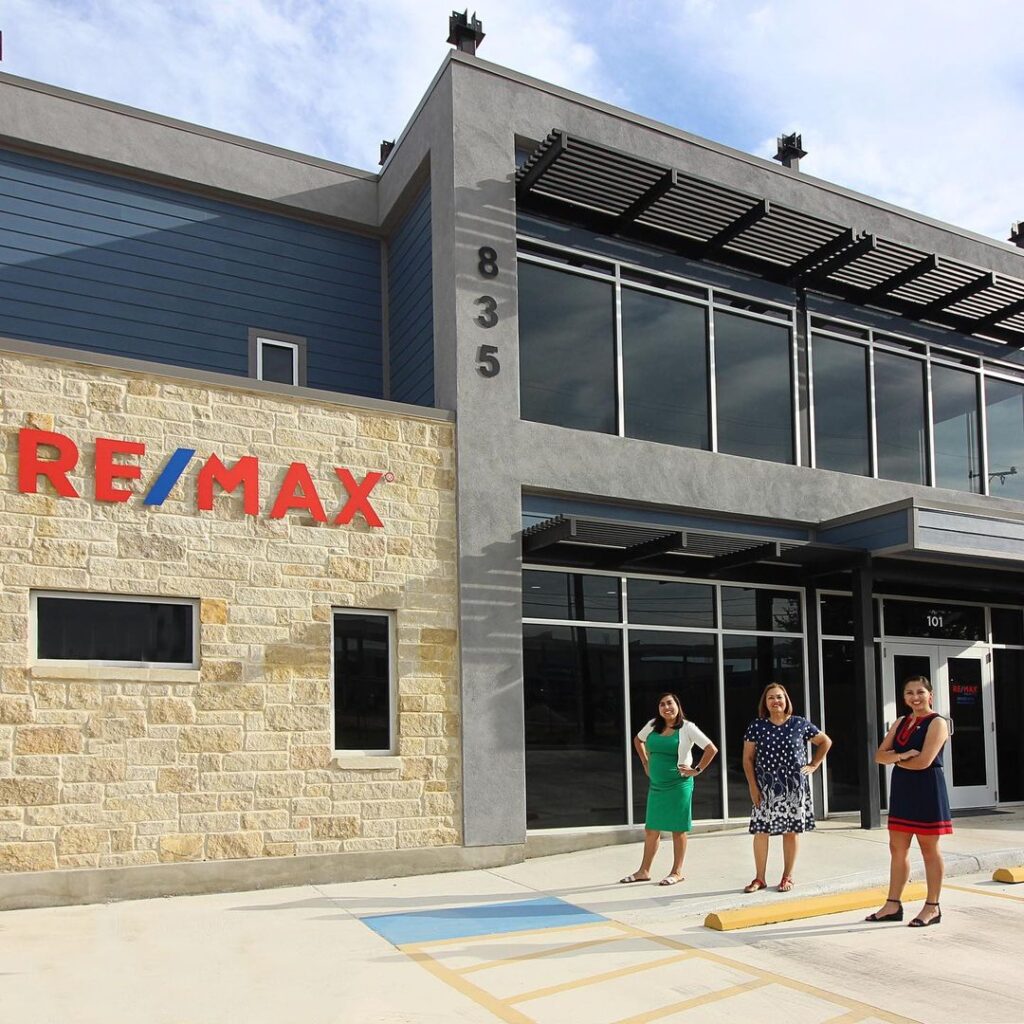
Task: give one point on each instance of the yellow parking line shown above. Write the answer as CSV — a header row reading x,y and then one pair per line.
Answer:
x,y
595,979
689,1004
985,892
538,954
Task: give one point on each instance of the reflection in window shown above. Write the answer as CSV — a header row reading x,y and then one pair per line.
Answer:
x,y
566,349
664,370
564,595
751,663
776,611
667,603
955,419
753,386
1004,409
841,410
685,664
900,416
573,711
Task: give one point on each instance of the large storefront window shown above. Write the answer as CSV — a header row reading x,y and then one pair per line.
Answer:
x,y
753,388
1004,409
1008,679
573,710
664,370
900,415
842,439
594,667
566,349
957,438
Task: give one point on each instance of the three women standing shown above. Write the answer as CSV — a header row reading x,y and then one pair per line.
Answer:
x,y
665,747
776,766
918,801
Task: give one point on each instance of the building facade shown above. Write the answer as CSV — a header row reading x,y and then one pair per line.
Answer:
x,y
716,423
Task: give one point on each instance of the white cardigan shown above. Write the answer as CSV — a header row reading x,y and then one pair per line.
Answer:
x,y
689,735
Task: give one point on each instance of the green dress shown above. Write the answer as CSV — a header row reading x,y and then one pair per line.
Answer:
x,y
670,796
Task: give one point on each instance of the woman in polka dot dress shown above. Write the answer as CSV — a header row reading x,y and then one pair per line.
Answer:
x,y
776,766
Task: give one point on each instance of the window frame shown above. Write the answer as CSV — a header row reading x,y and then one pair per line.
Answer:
x,y
392,749
77,595
258,338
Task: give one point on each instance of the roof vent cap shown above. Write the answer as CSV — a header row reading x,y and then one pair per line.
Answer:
x,y
386,145
1017,234
790,150
465,33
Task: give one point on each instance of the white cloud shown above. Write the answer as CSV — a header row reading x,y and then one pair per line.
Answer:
x,y
326,78
920,102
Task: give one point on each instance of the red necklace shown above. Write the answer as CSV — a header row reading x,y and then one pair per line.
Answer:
x,y
910,723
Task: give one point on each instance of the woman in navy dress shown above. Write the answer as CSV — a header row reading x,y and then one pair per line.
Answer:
x,y
918,801
775,763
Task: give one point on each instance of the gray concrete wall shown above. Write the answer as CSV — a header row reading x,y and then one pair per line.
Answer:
x,y
500,456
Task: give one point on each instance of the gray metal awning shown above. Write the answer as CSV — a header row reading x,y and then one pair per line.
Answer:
x,y
612,544
619,193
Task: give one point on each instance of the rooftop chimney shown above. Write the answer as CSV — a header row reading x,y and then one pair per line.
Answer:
x,y
790,151
386,145
465,33
1017,234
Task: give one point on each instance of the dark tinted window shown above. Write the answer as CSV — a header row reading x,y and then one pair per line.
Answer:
x,y
564,595
664,603
935,619
684,664
751,663
1007,626
900,418
1008,676
664,370
362,682
277,363
98,629
777,611
753,383
841,411
575,728
837,615
955,418
1004,409
566,349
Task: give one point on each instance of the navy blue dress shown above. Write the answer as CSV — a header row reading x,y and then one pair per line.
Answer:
x,y
786,804
918,801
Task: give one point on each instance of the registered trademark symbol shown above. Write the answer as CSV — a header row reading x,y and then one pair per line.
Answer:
x,y
389,477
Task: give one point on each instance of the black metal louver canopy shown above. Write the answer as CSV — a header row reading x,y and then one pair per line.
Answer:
x,y
618,193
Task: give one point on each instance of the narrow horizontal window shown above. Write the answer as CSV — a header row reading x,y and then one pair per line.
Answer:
x,y
363,690
115,630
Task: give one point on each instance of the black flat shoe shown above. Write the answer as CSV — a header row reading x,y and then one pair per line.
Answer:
x,y
877,918
918,923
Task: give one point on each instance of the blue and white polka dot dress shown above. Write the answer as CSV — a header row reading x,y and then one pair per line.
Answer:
x,y
786,804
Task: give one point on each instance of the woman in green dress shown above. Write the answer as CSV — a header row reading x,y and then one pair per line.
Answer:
x,y
665,747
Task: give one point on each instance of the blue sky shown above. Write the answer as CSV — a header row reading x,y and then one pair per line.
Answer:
x,y
919,102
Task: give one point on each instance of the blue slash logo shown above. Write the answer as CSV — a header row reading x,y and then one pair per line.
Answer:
x,y
176,464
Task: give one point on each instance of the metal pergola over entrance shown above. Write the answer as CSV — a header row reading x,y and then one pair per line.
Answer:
x,y
619,193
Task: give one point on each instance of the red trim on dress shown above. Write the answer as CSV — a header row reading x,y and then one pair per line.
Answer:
x,y
924,828
910,723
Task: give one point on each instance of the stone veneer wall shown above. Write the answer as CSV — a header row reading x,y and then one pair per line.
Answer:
x,y
120,766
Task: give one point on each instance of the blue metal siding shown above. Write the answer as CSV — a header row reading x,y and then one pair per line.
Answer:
x,y
93,261
871,533
411,307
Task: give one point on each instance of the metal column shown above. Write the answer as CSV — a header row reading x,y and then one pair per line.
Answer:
x,y
866,696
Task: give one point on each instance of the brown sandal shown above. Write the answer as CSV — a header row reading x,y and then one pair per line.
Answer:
x,y
756,885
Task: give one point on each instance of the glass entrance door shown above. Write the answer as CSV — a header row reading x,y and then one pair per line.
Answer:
x,y
962,682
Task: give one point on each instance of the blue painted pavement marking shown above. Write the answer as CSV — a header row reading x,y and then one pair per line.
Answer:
x,y
169,477
486,919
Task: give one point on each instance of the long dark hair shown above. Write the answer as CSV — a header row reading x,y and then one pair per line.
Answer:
x,y
660,724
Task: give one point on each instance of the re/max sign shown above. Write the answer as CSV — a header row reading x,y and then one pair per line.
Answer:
x,y
44,453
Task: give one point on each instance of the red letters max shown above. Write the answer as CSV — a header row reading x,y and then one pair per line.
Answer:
x,y
297,490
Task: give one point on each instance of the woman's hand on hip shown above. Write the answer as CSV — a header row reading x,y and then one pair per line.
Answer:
x,y
687,772
808,769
